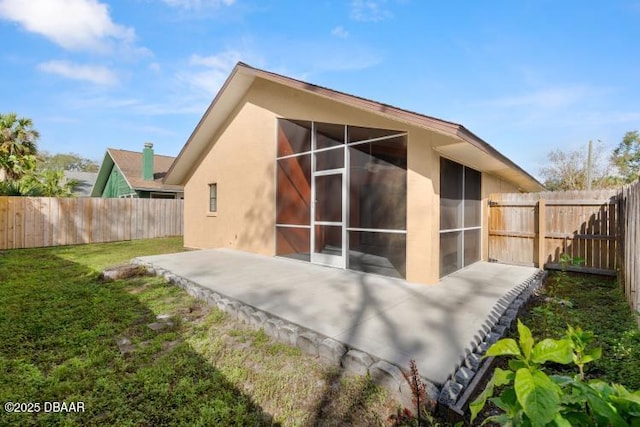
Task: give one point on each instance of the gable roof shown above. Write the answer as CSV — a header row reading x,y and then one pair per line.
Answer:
x,y
130,165
467,148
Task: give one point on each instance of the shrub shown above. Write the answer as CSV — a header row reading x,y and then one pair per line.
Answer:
x,y
530,397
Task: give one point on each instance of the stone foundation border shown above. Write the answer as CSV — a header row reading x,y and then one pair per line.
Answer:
x,y
463,383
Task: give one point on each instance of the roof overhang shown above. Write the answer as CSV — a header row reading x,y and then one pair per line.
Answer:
x,y
103,175
233,90
463,146
471,151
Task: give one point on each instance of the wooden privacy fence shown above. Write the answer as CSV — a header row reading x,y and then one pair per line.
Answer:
x,y
601,227
537,228
29,222
630,269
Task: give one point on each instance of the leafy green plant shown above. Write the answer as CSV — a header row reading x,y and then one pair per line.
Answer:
x,y
530,397
579,340
566,260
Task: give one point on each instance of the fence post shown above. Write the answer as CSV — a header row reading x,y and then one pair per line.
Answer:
x,y
620,243
542,214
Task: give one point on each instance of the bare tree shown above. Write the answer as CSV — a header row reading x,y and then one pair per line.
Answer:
x,y
567,170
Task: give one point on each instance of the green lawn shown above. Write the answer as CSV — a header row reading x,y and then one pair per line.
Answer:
x,y
59,327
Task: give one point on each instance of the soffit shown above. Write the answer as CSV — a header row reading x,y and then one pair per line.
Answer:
x,y
469,155
217,113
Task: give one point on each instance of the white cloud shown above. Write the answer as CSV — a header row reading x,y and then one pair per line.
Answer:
x,y
72,24
355,58
340,32
197,4
96,74
604,118
311,58
223,60
210,71
370,10
543,99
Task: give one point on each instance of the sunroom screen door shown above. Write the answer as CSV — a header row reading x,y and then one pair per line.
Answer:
x,y
329,246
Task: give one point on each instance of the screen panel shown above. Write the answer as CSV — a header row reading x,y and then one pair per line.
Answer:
x,y
328,239
329,135
450,252
330,159
329,198
472,198
378,253
293,193
378,185
450,195
294,137
471,246
357,133
293,242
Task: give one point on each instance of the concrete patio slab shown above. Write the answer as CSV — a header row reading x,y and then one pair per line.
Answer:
x,y
390,319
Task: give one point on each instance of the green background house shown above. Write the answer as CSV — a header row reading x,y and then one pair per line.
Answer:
x,y
126,173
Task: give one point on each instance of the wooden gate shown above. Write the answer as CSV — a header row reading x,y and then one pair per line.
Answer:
x,y
537,228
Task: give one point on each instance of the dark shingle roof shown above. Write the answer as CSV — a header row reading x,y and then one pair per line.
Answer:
x,y
85,180
130,163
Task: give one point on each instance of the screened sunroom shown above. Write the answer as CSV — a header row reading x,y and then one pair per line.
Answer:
x,y
341,197
341,200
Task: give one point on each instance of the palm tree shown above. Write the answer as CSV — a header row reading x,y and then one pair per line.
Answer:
x,y
17,146
54,184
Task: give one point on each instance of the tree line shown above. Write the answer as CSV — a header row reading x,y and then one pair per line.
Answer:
x,y
25,171
569,170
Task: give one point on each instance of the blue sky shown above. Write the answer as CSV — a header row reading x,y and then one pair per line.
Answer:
x,y
526,76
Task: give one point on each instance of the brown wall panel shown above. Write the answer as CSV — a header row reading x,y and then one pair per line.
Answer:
x,y
294,190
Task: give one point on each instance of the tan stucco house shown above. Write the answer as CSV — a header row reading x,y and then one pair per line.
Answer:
x,y
281,167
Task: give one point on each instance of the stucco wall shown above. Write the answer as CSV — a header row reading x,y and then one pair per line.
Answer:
x,y
241,163
423,208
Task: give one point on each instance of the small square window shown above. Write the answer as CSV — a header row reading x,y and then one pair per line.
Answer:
x,y
213,197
